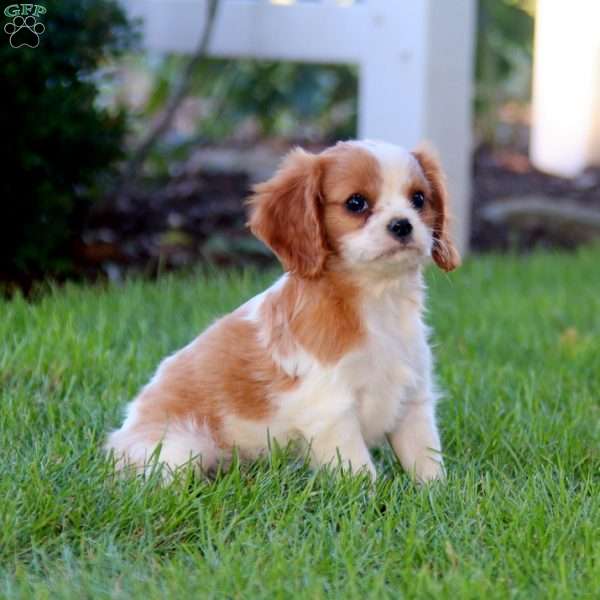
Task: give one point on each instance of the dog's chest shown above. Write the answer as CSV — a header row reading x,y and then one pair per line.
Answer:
x,y
387,372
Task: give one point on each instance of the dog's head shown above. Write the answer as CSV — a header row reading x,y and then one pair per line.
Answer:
x,y
357,206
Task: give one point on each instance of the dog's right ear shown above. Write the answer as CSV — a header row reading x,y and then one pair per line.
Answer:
x,y
287,214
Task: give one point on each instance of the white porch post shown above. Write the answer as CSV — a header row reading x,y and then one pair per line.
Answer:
x,y
416,83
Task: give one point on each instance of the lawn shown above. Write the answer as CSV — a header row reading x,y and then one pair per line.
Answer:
x,y
518,347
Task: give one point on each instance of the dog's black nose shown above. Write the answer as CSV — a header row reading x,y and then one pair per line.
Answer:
x,y
400,228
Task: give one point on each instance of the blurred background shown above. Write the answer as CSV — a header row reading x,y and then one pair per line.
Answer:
x,y
122,156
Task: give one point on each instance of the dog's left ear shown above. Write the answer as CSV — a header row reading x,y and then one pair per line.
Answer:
x,y
286,214
444,252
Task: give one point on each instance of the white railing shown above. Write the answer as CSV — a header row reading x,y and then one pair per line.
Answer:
x,y
414,58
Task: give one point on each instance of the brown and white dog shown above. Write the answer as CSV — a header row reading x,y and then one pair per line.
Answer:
x,y
335,353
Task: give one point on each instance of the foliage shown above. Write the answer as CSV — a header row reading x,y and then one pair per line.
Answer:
x,y
294,100
57,142
518,517
503,59
297,95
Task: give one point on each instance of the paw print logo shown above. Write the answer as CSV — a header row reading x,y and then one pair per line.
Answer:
x,y
24,31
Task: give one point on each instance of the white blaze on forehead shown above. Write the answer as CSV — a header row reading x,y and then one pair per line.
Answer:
x,y
397,164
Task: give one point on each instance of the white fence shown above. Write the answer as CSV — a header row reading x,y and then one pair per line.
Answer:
x,y
414,58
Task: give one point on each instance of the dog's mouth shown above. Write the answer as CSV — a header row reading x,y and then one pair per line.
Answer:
x,y
398,249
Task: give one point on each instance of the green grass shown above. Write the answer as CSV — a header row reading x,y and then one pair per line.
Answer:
x,y
518,346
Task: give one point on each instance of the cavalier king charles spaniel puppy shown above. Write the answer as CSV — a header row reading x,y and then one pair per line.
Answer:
x,y
335,353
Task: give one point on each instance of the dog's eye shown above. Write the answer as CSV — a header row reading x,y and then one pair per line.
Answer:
x,y
357,203
418,200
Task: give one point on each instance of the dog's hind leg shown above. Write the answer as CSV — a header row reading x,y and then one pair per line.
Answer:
x,y
172,444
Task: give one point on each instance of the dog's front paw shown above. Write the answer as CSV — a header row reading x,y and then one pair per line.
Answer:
x,y
429,469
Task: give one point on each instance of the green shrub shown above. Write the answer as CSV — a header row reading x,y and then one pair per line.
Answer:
x,y
284,99
57,141
504,58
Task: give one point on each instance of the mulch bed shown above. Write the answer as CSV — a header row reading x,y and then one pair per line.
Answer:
x,y
191,219
504,175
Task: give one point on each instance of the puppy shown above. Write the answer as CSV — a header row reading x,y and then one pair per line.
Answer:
x,y
335,353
